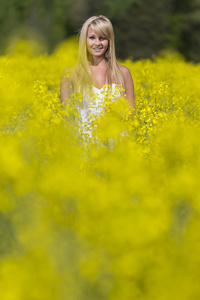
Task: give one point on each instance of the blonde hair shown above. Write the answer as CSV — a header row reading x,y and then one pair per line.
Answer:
x,y
82,75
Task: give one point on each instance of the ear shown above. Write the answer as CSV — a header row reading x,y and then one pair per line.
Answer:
x,y
107,53
108,49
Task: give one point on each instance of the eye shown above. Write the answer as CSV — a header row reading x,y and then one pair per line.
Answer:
x,y
102,38
92,37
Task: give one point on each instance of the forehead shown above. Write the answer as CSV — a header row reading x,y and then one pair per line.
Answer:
x,y
97,31
92,31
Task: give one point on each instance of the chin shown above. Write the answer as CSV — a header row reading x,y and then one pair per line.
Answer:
x,y
99,54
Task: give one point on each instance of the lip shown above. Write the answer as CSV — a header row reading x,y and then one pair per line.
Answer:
x,y
97,49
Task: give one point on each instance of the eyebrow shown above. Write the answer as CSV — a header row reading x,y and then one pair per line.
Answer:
x,y
93,34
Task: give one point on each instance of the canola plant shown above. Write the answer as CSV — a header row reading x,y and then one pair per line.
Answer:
x,y
110,216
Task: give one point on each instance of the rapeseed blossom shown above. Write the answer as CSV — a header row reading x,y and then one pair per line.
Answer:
x,y
111,215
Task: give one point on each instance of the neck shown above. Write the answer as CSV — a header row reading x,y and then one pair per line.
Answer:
x,y
98,61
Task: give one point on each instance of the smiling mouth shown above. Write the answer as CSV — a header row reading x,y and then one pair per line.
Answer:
x,y
97,48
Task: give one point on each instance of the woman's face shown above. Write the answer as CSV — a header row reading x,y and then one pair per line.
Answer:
x,y
96,44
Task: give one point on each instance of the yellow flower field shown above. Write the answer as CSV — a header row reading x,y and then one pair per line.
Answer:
x,y
112,216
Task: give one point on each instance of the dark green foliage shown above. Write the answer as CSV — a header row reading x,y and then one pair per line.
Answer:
x,y
142,30
142,27
190,34
185,27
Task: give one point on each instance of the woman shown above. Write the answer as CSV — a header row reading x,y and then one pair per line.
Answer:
x,y
97,68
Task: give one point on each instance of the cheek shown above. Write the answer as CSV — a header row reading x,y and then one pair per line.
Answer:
x,y
87,44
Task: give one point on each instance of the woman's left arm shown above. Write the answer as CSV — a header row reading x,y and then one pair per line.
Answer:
x,y
129,86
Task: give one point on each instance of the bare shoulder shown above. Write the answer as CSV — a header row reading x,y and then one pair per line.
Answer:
x,y
126,72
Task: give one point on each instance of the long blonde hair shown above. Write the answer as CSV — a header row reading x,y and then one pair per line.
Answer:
x,y
82,75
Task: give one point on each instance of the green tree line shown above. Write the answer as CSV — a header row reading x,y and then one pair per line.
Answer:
x,y
142,27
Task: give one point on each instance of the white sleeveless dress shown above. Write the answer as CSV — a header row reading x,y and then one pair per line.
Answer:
x,y
94,104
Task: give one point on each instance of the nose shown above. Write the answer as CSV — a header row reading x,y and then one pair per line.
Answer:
x,y
98,42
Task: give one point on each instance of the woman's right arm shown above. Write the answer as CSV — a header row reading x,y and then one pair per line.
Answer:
x,y
129,86
65,87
